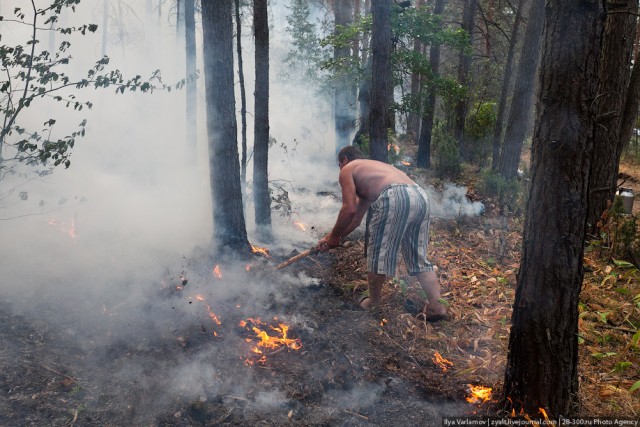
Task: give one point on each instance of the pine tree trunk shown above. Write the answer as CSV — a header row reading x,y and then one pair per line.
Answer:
x,y
542,364
523,93
261,197
191,86
229,229
506,83
343,113
615,73
468,23
381,79
243,97
426,129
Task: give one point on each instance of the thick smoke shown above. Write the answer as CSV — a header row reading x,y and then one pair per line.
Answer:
x,y
95,250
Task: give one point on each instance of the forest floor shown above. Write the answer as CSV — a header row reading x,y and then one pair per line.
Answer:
x,y
336,365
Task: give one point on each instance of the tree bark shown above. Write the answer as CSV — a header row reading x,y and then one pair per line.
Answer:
x,y
615,72
468,22
243,97
542,364
506,83
426,129
344,116
191,86
381,79
261,198
229,229
523,93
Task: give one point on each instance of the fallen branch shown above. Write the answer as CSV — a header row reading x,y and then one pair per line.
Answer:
x,y
298,257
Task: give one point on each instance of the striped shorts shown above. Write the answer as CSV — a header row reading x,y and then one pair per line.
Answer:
x,y
399,220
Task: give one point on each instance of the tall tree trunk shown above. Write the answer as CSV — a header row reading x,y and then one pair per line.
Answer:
x,y
342,101
105,26
413,121
506,83
179,18
542,364
523,93
191,87
261,197
229,229
426,129
630,111
615,71
381,79
468,22
243,96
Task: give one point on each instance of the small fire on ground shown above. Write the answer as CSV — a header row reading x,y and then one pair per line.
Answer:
x,y
276,342
479,394
441,361
259,250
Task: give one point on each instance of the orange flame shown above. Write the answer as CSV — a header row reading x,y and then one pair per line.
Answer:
x,y
479,394
405,163
394,147
272,342
70,230
302,226
217,272
441,361
259,250
214,317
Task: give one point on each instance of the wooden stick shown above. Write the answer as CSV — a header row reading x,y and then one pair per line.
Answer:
x,y
298,257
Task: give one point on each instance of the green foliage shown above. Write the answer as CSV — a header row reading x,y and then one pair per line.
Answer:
x,y
307,52
479,131
408,25
30,76
508,192
446,154
394,151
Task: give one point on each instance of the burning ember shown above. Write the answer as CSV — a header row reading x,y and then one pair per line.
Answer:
x,y
214,318
441,361
405,163
217,272
302,226
271,342
479,394
69,230
259,250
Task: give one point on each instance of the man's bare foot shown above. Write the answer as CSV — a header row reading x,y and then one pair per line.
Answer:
x,y
435,313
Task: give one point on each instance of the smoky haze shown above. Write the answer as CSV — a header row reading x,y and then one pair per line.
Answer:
x,y
95,250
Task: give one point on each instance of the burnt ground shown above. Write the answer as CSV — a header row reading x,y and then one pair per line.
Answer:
x,y
350,370
187,361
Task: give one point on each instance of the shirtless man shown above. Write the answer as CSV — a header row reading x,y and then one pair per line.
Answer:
x,y
399,221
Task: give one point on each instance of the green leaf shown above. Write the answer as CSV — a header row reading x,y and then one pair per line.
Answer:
x,y
623,264
621,366
635,386
636,338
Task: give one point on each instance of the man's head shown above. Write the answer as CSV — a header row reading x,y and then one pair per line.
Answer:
x,y
349,153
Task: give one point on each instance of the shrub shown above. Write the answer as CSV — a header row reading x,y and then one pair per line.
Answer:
x,y
446,154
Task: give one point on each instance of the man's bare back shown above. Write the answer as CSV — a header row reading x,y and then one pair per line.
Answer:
x,y
371,177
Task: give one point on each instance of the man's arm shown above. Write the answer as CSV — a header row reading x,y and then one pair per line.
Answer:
x,y
363,206
348,210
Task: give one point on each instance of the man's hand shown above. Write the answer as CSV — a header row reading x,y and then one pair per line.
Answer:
x,y
327,242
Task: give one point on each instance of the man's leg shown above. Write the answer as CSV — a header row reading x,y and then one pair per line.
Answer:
x,y
375,290
429,282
